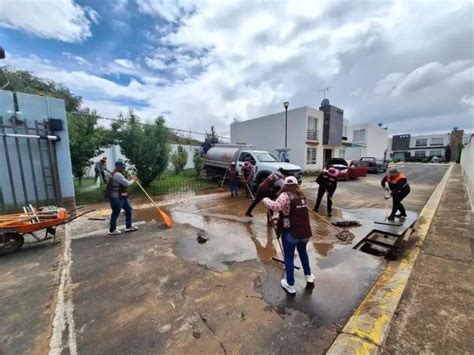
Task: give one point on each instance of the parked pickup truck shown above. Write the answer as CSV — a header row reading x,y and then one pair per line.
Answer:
x,y
374,165
219,158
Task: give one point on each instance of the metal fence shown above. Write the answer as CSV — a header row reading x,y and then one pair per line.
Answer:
x,y
30,173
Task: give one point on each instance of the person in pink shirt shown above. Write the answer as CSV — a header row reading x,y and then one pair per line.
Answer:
x,y
294,223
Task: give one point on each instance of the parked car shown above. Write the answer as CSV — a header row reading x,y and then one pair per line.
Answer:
x,y
374,165
347,170
436,159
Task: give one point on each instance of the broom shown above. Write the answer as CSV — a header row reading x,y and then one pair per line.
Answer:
x,y
341,234
221,188
281,248
167,219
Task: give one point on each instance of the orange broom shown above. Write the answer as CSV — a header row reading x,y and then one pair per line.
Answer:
x,y
166,218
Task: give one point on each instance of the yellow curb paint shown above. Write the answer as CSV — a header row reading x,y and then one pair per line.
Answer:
x,y
367,329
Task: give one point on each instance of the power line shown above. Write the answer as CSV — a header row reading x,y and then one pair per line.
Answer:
x,y
142,123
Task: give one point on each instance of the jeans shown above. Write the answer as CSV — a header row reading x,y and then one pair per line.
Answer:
x,y
289,245
117,205
234,186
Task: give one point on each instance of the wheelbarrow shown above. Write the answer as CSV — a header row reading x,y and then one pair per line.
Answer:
x,y
13,227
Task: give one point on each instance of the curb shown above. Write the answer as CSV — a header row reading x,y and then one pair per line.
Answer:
x,y
369,326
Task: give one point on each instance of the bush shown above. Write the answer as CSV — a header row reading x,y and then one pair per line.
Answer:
x,y
179,159
198,162
311,172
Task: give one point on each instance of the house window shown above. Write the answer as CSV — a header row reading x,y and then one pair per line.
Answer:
x,y
359,135
342,153
421,142
437,141
311,155
312,132
420,154
435,153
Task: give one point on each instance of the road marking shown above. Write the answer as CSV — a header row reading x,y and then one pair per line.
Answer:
x,y
64,310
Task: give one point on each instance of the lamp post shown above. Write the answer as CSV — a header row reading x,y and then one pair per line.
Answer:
x,y
286,104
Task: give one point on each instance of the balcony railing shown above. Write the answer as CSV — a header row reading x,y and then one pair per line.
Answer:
x,y
312,135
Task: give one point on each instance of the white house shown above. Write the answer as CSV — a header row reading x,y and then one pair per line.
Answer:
x,y
313,135
368,140
304,136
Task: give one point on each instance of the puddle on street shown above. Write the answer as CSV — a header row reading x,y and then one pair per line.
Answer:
x,y
343,275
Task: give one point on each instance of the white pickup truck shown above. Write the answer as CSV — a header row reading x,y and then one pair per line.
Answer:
x,y
220,157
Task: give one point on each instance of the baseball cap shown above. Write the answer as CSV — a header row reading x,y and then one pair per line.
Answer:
x,y
291,180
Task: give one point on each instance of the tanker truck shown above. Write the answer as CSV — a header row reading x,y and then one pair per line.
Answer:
x,y
219,158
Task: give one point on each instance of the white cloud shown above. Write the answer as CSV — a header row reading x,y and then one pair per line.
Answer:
x,y
468,100
222,60
125,63
62,20
168,10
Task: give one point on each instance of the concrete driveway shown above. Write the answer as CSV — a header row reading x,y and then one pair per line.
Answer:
x,y
160,291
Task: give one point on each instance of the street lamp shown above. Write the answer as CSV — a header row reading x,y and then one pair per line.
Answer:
x,y
286,104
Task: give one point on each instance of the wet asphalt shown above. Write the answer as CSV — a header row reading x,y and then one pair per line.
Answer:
x,y
161,291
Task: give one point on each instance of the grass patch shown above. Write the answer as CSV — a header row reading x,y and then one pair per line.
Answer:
x,y
311,172
185,182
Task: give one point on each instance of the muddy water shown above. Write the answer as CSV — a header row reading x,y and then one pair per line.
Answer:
x,y
343,275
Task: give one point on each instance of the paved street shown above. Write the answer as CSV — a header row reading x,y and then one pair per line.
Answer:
x,y
160,291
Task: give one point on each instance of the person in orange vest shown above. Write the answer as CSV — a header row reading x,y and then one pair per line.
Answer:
x,y
397,183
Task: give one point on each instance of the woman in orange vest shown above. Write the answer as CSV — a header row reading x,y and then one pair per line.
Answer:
x,y
397,183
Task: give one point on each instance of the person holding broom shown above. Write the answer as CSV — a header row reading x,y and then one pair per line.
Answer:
x,y
397,183
247,173
267,188
295,227
327,181
117,187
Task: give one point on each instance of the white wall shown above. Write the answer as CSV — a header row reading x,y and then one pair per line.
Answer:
x,y
113,153
375,143
467,165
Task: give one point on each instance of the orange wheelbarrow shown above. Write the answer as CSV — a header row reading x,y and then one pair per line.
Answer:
x,y
13,227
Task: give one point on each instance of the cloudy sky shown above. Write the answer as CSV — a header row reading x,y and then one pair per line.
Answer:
x,y
199,63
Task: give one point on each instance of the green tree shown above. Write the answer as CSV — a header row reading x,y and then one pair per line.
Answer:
x,y
85,140
198,162
447,154
145,145
24,81
179,159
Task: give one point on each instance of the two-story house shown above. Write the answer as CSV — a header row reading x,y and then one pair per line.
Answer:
x,y
313,136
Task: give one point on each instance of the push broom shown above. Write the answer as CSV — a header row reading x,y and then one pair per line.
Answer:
x,y
166,218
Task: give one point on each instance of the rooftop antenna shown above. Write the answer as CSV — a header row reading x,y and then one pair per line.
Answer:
x,y
325,90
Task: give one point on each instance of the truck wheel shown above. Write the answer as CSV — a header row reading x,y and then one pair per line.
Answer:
x,y
10,242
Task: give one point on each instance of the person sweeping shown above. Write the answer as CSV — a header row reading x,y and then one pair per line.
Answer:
x,y
247,173
296,230
233,176
99,169
117,187
267,188
397,184
327,181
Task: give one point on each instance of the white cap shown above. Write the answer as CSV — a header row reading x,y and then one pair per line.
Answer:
x,y
291,180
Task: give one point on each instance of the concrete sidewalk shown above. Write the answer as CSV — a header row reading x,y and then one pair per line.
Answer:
x,y
436,312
